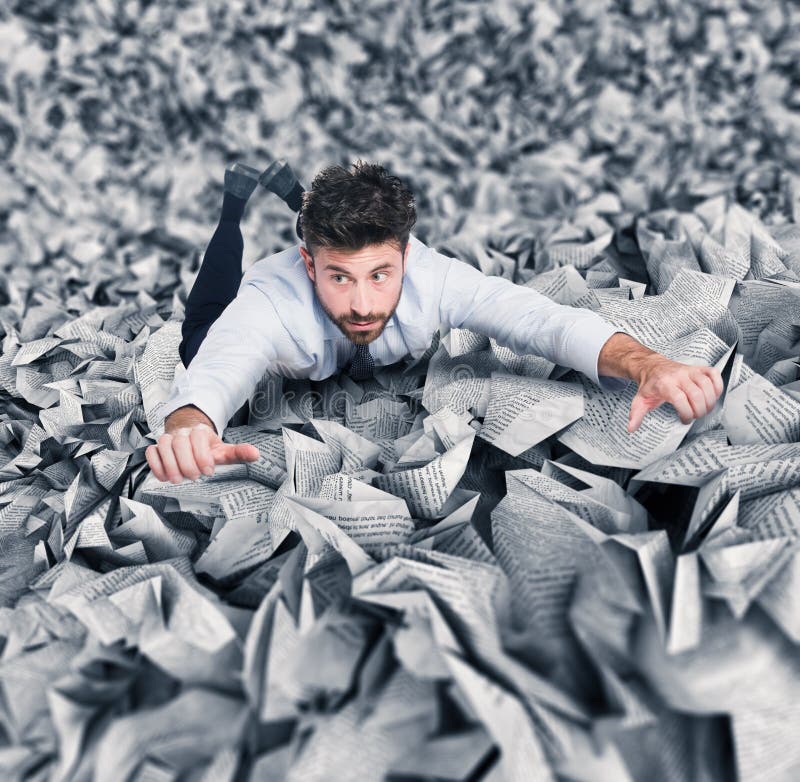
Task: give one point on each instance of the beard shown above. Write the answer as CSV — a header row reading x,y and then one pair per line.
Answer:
x,y
361,336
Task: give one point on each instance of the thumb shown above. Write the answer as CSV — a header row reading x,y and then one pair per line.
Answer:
x,y
638,409
229,453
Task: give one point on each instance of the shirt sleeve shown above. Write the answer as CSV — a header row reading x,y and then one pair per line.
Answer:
x,y
239,347
524,320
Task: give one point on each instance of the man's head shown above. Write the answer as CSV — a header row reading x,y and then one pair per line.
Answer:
x,y
356,224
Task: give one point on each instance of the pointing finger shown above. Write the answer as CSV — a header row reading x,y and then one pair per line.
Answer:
x,y
227,453
247,453
639,407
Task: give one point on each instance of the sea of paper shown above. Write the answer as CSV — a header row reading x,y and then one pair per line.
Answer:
x,y
465,568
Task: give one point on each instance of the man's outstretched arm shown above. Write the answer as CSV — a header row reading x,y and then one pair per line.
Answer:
x,y
238,349
526,321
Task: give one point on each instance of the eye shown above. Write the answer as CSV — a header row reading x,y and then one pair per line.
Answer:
x,y
338,277
378,274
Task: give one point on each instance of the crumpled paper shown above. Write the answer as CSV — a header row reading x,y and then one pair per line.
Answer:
x,y
385,594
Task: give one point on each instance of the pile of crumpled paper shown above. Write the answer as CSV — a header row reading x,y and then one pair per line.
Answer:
x,y
465,568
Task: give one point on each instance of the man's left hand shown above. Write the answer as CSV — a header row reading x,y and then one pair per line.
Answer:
x,y
691,390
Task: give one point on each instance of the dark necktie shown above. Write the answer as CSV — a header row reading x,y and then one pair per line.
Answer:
x,y
362,365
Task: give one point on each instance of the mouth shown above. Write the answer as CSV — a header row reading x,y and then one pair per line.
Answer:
x,y
363,326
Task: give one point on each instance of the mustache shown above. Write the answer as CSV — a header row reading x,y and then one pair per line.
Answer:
x,y
349,319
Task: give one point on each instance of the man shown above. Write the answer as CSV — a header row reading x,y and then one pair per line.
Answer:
x,y
361,291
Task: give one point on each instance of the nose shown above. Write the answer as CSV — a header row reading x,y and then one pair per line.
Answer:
x,y
360,301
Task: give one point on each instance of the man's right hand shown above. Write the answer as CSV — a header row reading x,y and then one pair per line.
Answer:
x,y
188,451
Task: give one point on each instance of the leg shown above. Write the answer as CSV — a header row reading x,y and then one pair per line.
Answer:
x,y
220,273
218,279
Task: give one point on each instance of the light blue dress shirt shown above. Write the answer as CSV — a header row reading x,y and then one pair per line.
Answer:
x,y
277,324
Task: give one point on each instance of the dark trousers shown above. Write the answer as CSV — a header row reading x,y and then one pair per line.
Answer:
x,y
218,280
215,287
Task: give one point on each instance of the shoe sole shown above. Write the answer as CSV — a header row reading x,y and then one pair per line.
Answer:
x,y
278,177
241,168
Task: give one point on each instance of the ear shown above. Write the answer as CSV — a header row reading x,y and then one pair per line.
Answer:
x,y
308,262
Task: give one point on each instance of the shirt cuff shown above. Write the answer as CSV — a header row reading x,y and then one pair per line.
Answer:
x,y
206,404
592,336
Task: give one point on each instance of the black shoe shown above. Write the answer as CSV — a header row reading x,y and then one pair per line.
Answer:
x,y
281,180
240,180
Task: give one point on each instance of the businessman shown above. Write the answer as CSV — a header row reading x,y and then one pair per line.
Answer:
x,y
359,292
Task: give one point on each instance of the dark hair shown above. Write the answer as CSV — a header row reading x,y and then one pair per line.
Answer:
x,y
349,209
